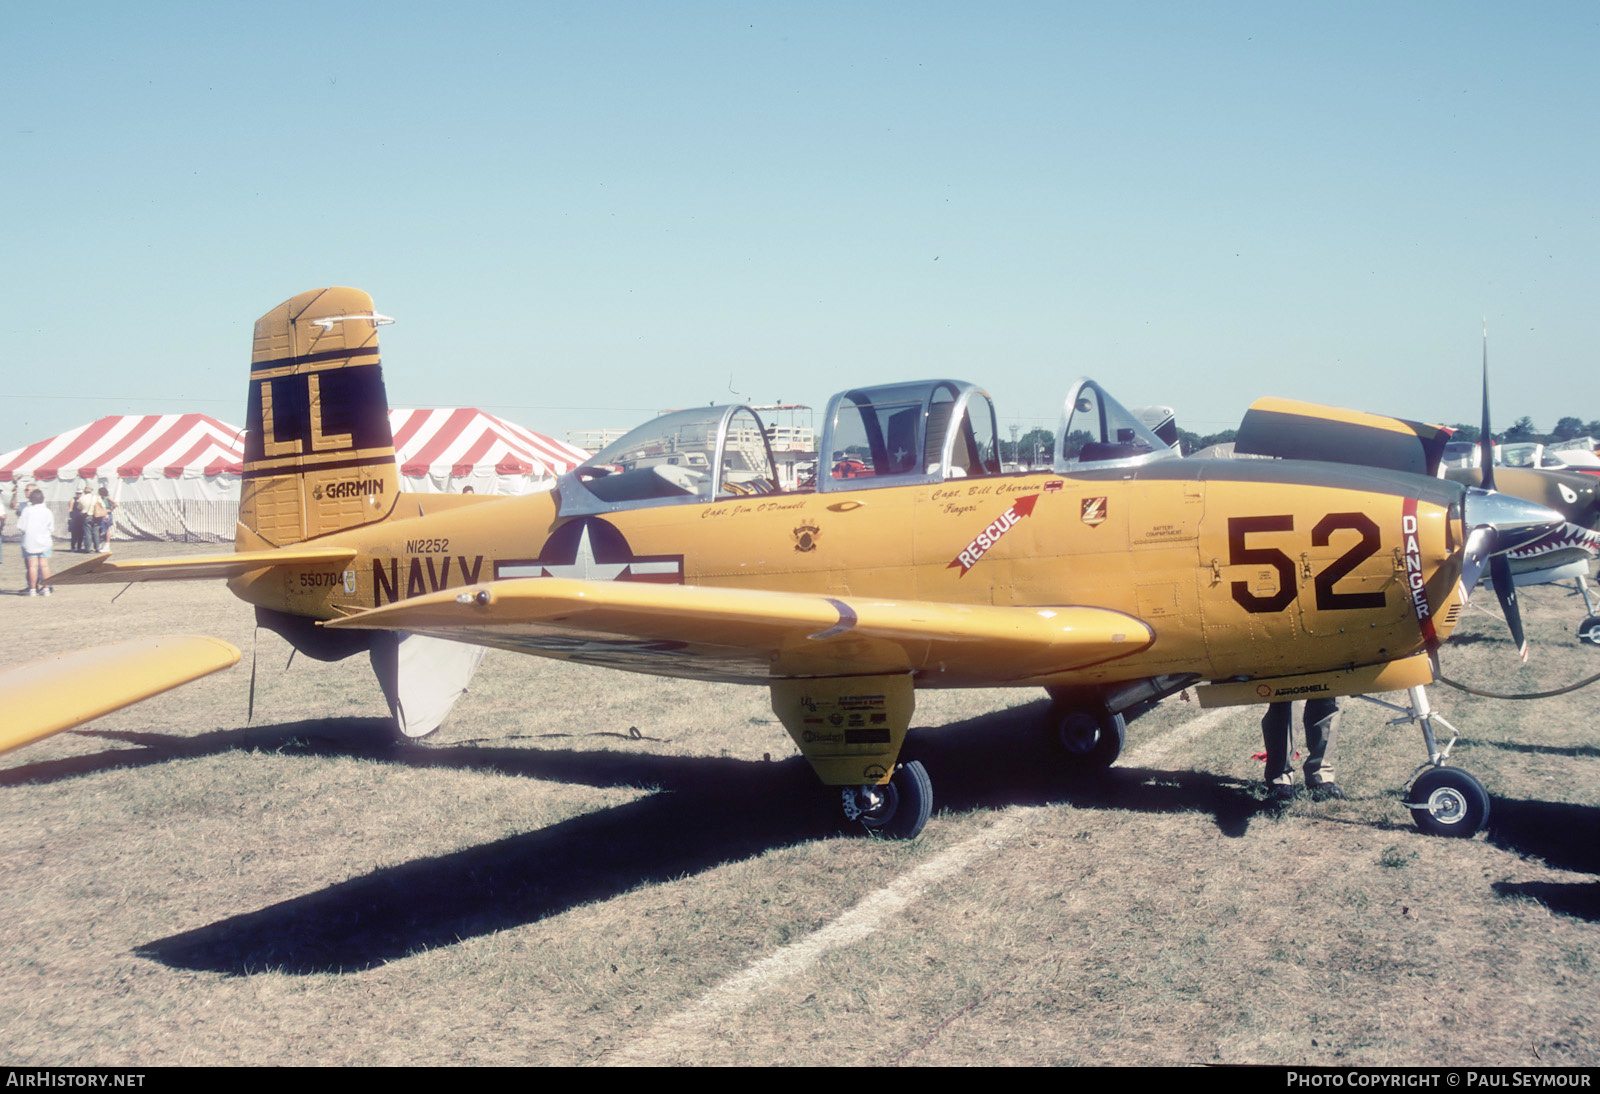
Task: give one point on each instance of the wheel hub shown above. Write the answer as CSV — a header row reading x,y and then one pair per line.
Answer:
x,y
863,801
1079,734
1447,805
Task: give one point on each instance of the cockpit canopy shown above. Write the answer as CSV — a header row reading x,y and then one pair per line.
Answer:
x,y
708,453
928,431
901,434
1097,431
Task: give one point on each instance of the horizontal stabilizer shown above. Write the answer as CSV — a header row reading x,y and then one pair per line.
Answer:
x,y
1305,431
102,570
751,635
55,693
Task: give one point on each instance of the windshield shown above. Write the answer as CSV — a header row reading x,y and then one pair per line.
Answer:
x,y
1098,430
708,452
897,434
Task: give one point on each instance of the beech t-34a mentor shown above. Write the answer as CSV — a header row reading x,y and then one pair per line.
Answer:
x,y
1119,576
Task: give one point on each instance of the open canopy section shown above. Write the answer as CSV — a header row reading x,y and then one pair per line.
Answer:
x,y
1097,431
702,454
900,434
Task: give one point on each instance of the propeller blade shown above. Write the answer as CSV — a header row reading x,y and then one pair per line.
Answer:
x,y
1485,439
1506,589
1480,545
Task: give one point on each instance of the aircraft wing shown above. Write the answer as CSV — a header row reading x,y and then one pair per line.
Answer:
x,y
752,635
102,570
55,693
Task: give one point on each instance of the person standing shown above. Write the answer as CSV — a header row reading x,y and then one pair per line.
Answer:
x,y
1321,722
38,527
76,518
91,522
103,508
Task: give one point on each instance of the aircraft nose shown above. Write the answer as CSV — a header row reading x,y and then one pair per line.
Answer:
x,y
1516,520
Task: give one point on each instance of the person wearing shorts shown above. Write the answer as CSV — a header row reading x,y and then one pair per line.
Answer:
x,y
38,527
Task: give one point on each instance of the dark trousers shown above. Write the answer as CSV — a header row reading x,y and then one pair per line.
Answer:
x,y
1321,721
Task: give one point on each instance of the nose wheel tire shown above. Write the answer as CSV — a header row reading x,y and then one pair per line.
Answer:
x,y
899,808
1589,630
1091,740
1447,801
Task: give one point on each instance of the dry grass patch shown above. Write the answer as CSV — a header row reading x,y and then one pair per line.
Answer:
x,y
580,857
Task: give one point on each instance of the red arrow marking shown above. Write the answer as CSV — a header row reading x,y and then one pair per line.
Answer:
x,y
987,538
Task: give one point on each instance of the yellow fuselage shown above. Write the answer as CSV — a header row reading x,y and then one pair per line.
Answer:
x,y
1243,569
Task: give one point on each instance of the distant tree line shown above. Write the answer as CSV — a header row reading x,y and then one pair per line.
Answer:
x,y
1037,446
1523,430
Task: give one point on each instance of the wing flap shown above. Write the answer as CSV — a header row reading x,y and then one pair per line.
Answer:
x,y
101,569
752,635
55,693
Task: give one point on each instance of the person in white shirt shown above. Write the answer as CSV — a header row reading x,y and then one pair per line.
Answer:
x,y
38,527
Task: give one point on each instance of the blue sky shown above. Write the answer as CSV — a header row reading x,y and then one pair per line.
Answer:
x,y
583,213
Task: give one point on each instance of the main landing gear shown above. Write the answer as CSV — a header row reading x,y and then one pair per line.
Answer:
x,y
1444,801
1091,725
850,730
898,808
1091,738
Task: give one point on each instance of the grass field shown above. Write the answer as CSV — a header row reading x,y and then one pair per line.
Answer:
x,y
590,867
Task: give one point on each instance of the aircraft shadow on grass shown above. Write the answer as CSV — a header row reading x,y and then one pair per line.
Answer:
x,y
709,811
1569,751
1566,837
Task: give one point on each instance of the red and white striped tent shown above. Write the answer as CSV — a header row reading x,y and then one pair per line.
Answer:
x,y
173,476
445,451
176,476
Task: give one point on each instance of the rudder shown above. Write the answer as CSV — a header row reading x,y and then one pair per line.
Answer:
x,y
318,453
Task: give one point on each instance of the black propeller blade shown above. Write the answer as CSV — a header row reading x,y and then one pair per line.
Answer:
x,y
1506,590
1485,441
1497,524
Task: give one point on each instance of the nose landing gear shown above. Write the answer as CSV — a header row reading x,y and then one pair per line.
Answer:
x,y
1444,801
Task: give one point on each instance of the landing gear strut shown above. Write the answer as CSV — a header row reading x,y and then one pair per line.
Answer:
x,y
1444,801
1589,629
898,809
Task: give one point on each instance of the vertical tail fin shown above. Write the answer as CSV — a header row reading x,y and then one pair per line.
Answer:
x,y
318,454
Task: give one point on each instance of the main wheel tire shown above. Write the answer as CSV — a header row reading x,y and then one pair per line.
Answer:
x,y
907,803
1091,740
1589,630
1448,801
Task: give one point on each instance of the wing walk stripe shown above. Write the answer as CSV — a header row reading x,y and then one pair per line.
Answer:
x,y
847,621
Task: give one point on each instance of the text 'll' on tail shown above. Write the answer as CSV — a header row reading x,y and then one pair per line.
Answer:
x,y
318,454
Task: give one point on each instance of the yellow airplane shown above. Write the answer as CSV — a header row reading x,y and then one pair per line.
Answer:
x,y
1119,576
56,693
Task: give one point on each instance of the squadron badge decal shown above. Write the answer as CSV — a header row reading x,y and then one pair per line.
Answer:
x,y
805,537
